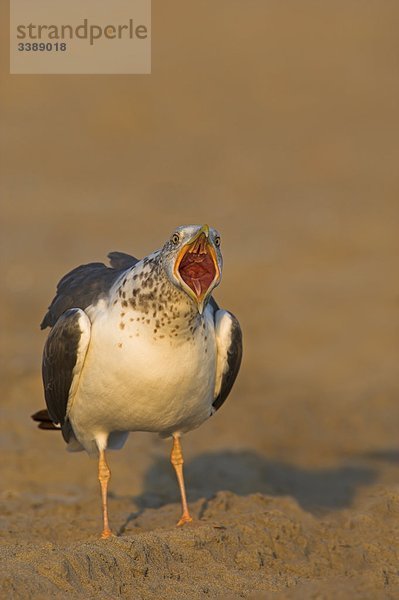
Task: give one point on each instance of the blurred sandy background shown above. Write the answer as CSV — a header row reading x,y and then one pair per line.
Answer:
x,y
277,123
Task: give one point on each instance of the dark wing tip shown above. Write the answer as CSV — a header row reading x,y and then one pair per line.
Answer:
x,y
49,427
42,416
45,422
45,323
85,284
121,260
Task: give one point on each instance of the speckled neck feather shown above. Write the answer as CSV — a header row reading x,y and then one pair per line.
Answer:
x,y
146,290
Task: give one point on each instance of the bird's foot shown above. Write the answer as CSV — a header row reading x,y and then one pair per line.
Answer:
x,y
185,518
107,533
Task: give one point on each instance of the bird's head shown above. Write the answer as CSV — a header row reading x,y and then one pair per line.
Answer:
x,y
193,262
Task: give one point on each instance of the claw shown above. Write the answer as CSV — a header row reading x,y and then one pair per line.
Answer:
x,y
184,519
107,533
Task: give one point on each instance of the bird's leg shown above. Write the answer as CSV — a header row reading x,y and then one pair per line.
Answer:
x,y
104,475
176,458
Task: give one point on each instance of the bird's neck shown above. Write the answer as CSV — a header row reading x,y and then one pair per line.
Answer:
x,y
146,289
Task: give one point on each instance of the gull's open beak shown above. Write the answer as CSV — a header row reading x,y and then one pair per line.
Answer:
x,y
197,267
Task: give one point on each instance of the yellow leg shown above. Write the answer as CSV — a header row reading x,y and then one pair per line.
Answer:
x,y
104,475
176,458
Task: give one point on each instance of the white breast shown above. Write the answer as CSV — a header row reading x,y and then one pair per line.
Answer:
x,y
137,380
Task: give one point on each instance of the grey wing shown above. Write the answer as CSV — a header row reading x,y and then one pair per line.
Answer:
x,y
120,260
63,358
85,285
229,354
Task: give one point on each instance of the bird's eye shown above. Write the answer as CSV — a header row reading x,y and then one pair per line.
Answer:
x,y
217,241
175,239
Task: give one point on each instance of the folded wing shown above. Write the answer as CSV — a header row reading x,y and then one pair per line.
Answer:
x,y
63,359
85,285
229,353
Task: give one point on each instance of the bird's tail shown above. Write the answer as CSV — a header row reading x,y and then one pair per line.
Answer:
x,y
45,422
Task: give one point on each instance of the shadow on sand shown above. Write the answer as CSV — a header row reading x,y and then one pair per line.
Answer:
x,y
246,473
389,455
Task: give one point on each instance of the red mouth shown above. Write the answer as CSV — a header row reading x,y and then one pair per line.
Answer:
x,y
197,266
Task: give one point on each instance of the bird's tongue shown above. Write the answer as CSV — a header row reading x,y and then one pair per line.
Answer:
x,y
197,286
197,270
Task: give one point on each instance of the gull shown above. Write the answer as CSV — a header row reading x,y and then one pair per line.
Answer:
x,y
139,346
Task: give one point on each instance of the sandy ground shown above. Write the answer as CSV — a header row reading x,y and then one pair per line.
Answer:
x,y
278,124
